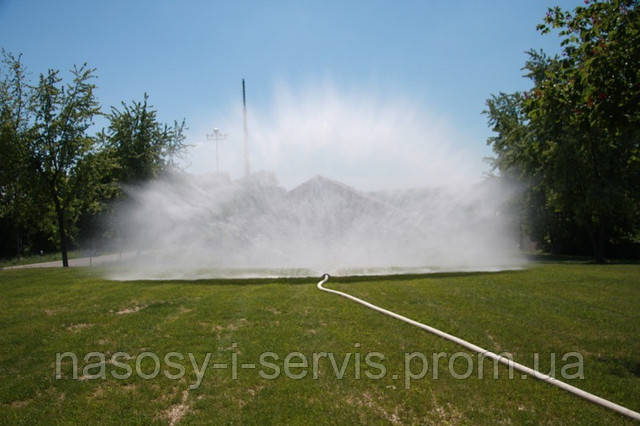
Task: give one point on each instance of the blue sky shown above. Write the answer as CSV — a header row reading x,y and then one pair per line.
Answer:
x,y
444,58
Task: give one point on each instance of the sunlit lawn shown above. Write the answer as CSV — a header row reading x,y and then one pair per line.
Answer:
x,y
546,309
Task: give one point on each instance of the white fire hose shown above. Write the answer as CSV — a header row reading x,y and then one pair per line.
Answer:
x,y
485,353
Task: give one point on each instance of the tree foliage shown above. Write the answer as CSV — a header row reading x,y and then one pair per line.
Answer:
x,y
22,213
56,179
574,138
142,145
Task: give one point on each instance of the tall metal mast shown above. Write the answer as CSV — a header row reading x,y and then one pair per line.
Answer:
x,y
246,132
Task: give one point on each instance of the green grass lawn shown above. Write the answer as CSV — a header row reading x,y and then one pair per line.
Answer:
x,y
550,308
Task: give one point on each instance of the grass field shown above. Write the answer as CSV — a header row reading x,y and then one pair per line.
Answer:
x,y
550,308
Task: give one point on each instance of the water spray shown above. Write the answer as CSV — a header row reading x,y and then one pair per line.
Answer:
x,y
488,354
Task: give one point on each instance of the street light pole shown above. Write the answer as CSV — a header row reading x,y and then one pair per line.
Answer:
x,y
217,137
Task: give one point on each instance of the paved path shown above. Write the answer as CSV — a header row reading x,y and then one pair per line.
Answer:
x,y
80,261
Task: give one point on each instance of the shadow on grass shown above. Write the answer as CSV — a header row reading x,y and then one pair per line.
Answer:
x,y
582,260
314,280
410,277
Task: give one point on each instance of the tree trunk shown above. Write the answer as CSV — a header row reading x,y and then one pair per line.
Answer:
x,y
18,242
61,231
601,241
598,239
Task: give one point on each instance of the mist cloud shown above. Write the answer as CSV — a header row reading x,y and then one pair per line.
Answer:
x,y
369,185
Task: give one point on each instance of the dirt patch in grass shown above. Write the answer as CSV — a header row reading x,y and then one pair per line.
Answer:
x,y
496,345
77,327
177,314
98,393
130,387
231,326
131,310
176,412
370,401
444,414
254,390
21,404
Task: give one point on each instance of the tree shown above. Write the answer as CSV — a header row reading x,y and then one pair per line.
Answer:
x,y
142,146
58,144
56,180
575,136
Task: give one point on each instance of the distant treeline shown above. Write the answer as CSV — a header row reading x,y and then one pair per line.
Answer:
x,y
573,140
57,180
